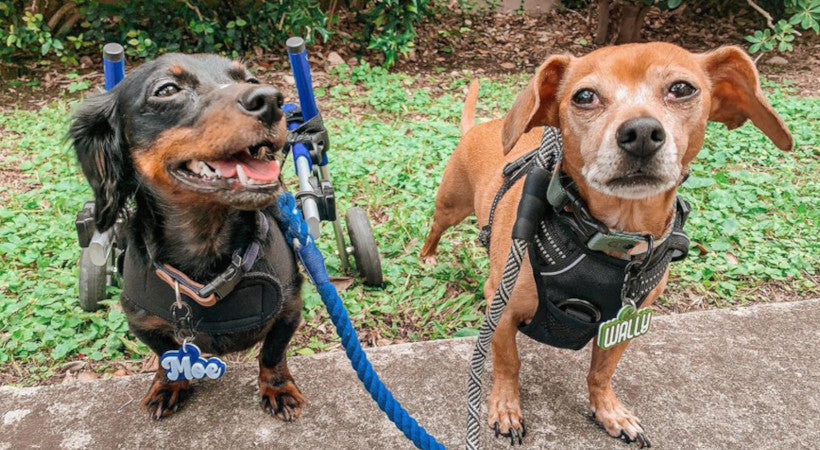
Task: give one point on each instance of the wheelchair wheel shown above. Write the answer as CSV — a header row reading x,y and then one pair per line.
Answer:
x,y
93,280
365,251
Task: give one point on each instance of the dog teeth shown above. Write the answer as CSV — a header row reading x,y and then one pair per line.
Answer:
x,y
240,173
262,153
202,169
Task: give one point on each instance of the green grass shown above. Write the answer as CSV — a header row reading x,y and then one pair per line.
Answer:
x,y
755,208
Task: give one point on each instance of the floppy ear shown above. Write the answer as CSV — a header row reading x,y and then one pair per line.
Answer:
x,y
537,104
736,95
96,132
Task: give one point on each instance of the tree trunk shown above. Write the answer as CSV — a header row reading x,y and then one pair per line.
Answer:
x,y
636,36
603,22
629,14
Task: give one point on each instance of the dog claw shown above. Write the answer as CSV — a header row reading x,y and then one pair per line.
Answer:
x,y
280,407
643,441
640,439
514,434
164,399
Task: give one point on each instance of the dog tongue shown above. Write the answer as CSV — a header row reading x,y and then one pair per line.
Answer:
x,y
264,171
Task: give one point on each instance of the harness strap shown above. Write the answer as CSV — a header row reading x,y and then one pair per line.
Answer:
x,y
512,172
545,155
224,283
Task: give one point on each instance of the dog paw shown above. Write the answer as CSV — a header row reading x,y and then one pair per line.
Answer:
x,y
429,260
283,401
621,424
506,420
165,397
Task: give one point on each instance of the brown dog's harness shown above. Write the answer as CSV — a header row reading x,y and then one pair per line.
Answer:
x,y
579,285
243,297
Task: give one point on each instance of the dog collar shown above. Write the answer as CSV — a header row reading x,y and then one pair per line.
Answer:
x,y
219,287
594,233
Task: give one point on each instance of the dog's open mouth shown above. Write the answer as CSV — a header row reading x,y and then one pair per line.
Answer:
x,y
255,168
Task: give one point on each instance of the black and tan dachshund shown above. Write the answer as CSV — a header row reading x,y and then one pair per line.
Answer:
x,y
188,148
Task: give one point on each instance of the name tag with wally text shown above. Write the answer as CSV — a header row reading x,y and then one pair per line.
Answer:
x,y
628,324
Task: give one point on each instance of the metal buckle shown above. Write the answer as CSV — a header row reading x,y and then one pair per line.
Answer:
x,y
614,242
225,282
557,196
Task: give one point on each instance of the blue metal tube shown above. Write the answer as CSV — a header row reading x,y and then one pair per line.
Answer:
x,y
304,82
113,64
301,72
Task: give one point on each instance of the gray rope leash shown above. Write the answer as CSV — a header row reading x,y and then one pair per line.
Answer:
x,y
531,206
502,295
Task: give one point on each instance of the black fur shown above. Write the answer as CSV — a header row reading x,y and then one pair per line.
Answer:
x,y
109,131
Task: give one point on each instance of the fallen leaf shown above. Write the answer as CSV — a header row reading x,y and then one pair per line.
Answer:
x,y
74,366
341,283
151,365
86,376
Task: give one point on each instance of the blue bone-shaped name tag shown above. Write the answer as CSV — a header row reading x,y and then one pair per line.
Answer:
x,y
186,364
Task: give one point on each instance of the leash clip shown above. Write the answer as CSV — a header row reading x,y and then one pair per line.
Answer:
x,y
631,278
183,317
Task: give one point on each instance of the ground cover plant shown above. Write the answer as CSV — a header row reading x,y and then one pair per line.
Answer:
x,y
753,228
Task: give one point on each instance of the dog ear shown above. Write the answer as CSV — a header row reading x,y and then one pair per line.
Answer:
x,y
736,95
96,132
537,104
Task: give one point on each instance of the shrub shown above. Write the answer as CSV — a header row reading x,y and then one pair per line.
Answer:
x,y
69,29
390,25
804,14
25,33
230,27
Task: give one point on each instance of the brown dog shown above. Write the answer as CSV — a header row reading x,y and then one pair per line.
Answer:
x,y
661,95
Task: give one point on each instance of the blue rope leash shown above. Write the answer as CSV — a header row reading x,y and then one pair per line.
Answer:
x,y
295,228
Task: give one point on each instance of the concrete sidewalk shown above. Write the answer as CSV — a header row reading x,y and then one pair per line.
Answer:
x,y
740,378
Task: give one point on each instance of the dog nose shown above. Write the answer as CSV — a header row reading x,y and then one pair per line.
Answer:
x,y
641,137
262,102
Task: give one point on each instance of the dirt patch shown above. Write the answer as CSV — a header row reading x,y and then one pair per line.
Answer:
x,y
511,43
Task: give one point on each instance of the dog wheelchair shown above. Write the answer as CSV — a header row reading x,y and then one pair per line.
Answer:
x,y
101,252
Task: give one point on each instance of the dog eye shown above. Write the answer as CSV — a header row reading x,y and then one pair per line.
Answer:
x,y
585,97
681,90
167,90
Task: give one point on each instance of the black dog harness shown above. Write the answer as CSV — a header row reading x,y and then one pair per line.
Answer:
x,y
245,296
579,285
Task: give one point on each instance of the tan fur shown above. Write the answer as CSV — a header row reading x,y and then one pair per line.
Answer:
x,y
468,114
729,93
